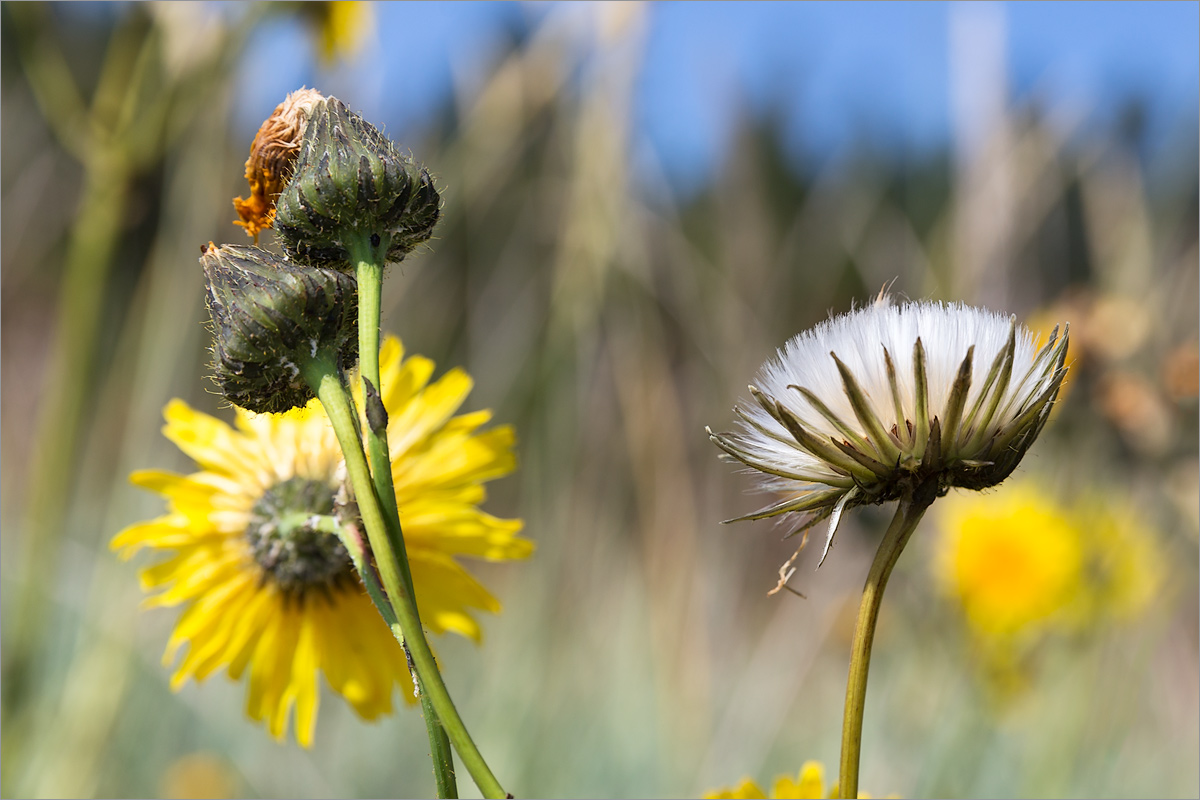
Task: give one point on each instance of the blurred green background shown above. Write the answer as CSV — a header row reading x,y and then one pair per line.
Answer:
x,y
609,315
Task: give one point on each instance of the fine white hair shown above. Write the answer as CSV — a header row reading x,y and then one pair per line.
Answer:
x,y
858,338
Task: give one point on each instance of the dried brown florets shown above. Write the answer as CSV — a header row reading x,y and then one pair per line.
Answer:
x,y
272,157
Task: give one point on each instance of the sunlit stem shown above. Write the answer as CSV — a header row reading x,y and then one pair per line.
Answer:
x,y
912,506
368,261
323,376
368,256
440,745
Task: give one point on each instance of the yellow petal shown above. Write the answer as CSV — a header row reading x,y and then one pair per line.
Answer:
x,y
450,462
465,531
391,353
191,573
340,653
360,658
172,485
202,622
268,697
746,790
403,382
198,498
812,781
444,593
417,420
304,681
213,444
258,614
169,532
232,633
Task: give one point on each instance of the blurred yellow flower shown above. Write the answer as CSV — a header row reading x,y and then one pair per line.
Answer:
x,y
1012,559
1126,567
270,589
746,790
198,775
808,784
1019,562
340,26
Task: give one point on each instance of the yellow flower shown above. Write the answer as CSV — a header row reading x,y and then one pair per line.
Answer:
x,y
809,783
269,590
1020,562
1126,566
199,775
746,790
340,27
344,28
1012,559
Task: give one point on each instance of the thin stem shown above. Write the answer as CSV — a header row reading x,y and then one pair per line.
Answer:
x,y
369,272
439,744
912,507
322,375
369,262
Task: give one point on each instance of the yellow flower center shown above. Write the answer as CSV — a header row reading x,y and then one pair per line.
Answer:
x,y
288,542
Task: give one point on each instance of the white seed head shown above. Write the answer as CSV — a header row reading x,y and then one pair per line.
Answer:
x,y
864,406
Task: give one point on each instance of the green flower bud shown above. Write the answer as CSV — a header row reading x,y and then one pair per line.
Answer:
x,y
269,317
350,183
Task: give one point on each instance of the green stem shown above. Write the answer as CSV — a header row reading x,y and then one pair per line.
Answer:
x,y
321,373
913,504
369,272
439,744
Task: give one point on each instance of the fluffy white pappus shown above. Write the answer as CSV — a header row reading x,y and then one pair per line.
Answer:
x,y
859,338
853,412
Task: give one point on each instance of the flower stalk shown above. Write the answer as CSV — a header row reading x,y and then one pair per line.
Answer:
x,y
439,743
323,376
891,403
911,508
353,198
369,261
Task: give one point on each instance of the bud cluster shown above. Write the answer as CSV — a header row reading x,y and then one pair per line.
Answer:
x,y
268,317
330,184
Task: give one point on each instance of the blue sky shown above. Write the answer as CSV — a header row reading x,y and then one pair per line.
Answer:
x,y
837,70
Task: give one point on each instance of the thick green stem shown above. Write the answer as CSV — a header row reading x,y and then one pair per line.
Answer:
x,y
322,375
439,744
912,507
369,262
369,271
